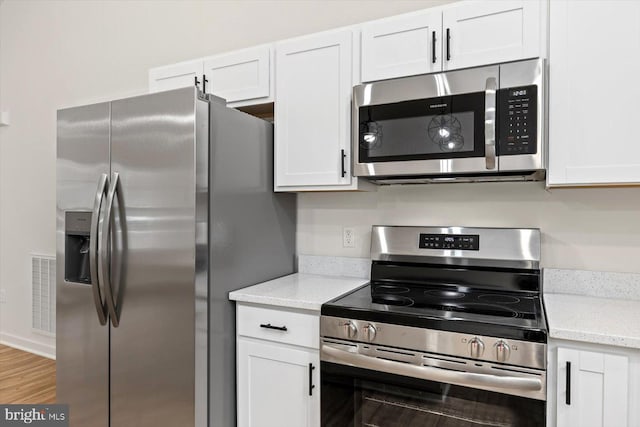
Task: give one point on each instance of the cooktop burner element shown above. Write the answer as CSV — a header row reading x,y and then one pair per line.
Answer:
x,y
489,310
442,293
388,289
392,299
499,299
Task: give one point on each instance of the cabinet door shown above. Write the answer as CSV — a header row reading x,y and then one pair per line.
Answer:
x,y
593,104
488,32
595,392
175,76
240,76
274,385
312,110
402,46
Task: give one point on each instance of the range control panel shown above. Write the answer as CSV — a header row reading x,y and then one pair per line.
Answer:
x,y
518,120
467,242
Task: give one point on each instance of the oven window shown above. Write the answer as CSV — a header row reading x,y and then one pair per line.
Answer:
x,y
354,397
434,128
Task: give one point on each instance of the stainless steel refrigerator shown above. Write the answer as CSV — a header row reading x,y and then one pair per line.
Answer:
x,y
164,205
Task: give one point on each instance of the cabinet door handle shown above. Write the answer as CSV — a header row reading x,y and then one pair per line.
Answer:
x,y
204,83
568,381
196,81
277,328
448,44
311,386
433,47
344,172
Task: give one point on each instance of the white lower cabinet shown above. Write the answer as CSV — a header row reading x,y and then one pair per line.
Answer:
x,y
592,389
278,385
278,367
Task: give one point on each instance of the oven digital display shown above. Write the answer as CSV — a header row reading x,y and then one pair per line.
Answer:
x,y
467,242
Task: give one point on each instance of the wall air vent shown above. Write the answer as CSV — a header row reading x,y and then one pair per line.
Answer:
x,y
43,294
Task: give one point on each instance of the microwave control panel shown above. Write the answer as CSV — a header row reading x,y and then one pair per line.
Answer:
x,y
518,120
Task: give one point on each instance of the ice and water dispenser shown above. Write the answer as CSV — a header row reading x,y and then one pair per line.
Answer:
x,y
76,248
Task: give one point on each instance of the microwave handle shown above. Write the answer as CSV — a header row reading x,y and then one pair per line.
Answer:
x,y
490,123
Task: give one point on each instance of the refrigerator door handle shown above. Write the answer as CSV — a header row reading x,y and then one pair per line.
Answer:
x,y
105,236
101,309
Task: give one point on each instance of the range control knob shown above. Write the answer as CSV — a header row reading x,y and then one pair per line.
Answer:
x,y
503,351
370,331
350,329
476,347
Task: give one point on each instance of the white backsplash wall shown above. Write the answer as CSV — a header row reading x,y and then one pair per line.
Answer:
x,y
587,229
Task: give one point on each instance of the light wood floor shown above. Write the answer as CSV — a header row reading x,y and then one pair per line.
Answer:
x,y
26,378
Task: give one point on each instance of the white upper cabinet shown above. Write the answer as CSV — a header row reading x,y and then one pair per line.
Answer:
x,y
244,75
403,45
487,32
175,76
594,60
314,79
592,389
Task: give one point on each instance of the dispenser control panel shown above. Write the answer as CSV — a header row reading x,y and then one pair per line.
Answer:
x,y
77,222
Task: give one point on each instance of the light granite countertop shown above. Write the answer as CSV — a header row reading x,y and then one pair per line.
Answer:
x,y
299,290
594,307
593,319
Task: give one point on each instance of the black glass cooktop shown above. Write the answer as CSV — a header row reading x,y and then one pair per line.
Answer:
x,y
458,300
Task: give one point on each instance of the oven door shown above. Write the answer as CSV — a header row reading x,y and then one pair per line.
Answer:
x,y
363,396
426,125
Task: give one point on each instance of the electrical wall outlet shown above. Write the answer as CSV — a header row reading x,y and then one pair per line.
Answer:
x,y
348,238
3,296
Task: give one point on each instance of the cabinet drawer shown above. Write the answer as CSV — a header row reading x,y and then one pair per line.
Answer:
x,y
302,329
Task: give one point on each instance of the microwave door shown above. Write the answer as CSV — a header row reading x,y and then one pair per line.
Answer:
x,y
427,125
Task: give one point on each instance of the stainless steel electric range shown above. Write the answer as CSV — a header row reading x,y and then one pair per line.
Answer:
x,y
450,332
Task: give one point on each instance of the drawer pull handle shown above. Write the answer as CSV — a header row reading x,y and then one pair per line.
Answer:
x,y
277,328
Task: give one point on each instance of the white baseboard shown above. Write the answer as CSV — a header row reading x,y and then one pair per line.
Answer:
x,y
44,350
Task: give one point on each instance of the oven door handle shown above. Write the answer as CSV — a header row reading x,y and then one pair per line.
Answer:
x,y
491,88
335,355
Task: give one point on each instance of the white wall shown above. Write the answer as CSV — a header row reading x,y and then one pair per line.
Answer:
x,y
591,229
62,53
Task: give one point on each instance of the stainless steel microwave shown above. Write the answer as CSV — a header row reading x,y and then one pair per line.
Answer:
x,y
478,124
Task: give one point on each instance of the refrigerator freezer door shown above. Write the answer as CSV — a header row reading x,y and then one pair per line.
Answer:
x,y
153,261
82,343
